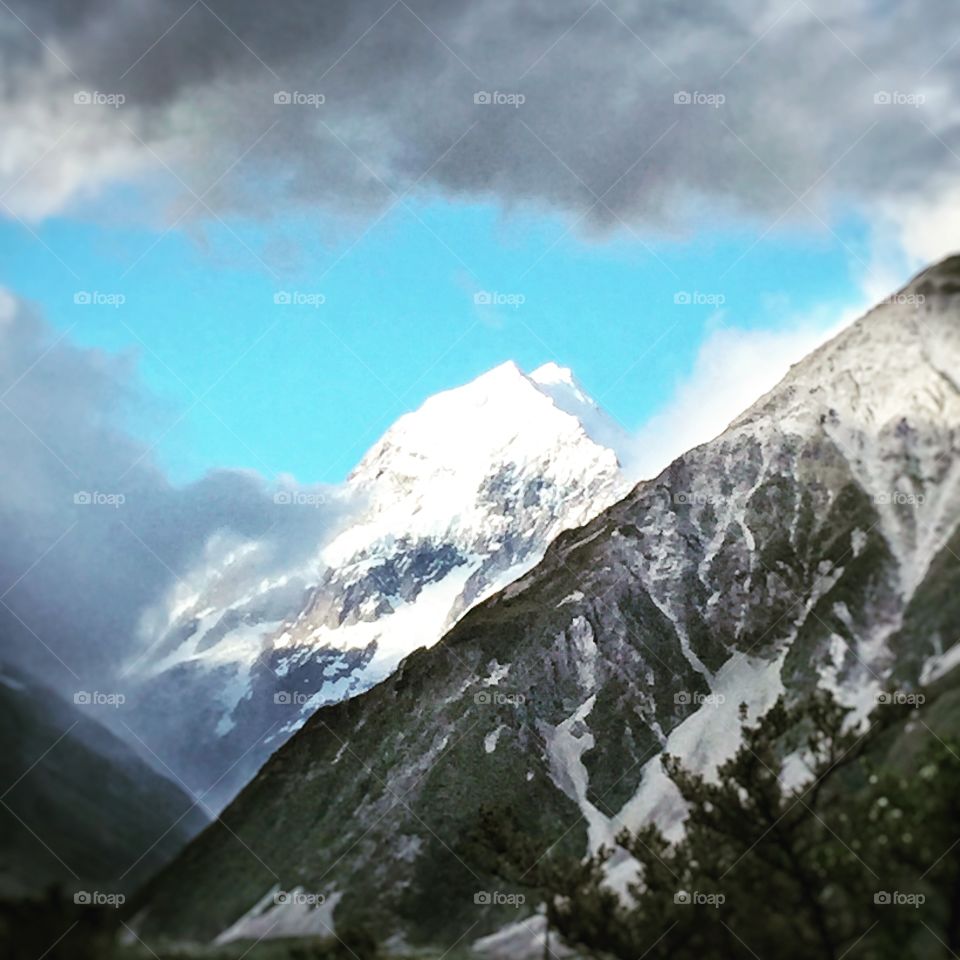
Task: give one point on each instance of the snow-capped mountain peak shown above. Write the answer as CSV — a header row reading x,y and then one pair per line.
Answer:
x,y
563,388
435,467
454,501
468,427
811,545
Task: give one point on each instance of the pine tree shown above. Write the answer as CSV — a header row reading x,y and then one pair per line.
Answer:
x,y
763,869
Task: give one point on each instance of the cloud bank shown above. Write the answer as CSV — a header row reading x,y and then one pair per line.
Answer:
x,y
94,534
610,112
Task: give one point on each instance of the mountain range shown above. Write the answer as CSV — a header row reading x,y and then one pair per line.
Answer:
x,y
814,543
456,500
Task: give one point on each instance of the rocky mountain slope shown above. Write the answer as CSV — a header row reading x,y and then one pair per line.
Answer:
x,y
815,542
77,805
456,500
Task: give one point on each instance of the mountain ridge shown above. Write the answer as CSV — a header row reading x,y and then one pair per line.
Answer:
x,y
456,499
810,544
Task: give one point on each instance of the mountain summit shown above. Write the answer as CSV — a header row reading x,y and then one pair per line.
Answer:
x,y
433,470
454,501
813,544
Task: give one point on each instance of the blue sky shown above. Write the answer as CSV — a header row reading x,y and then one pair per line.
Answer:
x,y
305,389
785,187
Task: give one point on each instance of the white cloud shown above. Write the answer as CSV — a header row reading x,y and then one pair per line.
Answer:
x,y
57,156
94,532
926,230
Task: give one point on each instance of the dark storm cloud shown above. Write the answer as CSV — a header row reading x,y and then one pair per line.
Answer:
x,y
786,107
93,533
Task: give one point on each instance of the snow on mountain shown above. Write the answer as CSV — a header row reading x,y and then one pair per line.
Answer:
x,y
454,501
424,475
566,392
892,379
814,543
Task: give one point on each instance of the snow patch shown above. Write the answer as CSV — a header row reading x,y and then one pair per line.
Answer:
x,y
294,913
583,647
566,744
939,666
858,540
705,739
491,739
498,672
521,940
408,848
